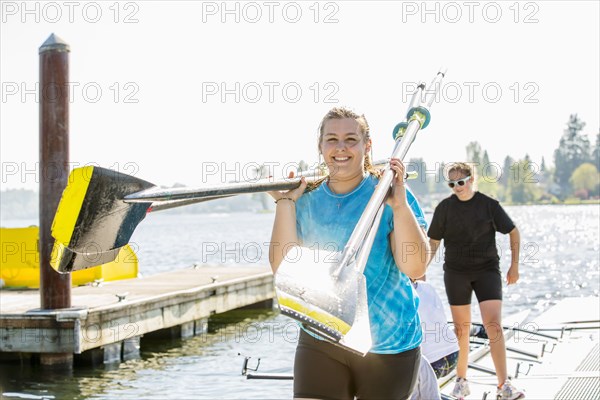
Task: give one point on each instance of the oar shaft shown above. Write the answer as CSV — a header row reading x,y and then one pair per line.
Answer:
x,y
365,250
517,329
434,87
159,194
378,196
228,189
167,205
271,377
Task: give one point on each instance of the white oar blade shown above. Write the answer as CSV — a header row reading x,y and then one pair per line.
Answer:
x,y
313,289
359,337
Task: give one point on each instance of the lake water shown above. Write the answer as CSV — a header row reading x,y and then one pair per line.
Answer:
x,y
560,257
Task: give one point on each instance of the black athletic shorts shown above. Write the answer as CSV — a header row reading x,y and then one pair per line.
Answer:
x,y
325,371
487,285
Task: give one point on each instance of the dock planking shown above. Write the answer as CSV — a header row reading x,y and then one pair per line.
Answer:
x,y
564,368
112,313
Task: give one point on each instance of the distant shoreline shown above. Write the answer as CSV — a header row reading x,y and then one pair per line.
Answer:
x,y
567,203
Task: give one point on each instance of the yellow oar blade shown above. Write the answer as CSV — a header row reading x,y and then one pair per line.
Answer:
x,y
92,221
327,300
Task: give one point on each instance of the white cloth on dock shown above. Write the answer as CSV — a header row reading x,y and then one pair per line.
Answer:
x,y
427,384
439,339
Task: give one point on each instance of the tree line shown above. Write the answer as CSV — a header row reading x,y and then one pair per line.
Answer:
x,y
573,177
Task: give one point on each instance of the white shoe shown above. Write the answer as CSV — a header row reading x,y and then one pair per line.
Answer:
x,y
461,389
508,392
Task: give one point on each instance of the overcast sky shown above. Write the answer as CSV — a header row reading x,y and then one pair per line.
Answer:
x,y
195,92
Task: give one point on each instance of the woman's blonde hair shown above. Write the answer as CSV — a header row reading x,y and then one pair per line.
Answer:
x,y
341,113
461,167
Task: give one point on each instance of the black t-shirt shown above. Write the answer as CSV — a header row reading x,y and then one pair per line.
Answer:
x,y
469,232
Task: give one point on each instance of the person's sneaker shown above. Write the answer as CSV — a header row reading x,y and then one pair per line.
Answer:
x,y
508,392
461,389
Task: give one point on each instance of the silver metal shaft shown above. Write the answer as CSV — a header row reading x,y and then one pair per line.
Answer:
x,y
157,194
369,220
377,198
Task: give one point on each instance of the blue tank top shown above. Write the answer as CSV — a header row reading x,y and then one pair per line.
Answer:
x,y
325,220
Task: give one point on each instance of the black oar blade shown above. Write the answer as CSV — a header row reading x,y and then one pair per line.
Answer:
x,y
69,261
92,221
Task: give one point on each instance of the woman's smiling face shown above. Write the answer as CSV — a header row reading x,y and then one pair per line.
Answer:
x,y
343,147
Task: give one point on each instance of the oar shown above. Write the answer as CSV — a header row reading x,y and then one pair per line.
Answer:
x,y
246,368
508,348
280,377
577,325
517,329
235,188
100,209
94,219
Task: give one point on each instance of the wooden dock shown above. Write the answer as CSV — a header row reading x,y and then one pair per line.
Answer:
x,y
110,318
566,367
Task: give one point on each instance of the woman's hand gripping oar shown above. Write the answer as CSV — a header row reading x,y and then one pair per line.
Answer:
x,y
408,239
284,234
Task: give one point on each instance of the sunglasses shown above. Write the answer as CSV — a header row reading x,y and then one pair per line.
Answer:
x,y
460,182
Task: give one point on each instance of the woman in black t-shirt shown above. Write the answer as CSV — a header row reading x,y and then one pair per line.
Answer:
x,y
468,222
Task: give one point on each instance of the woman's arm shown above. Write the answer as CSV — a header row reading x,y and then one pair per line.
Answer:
x,y
515,245
408,241
284,234
434,245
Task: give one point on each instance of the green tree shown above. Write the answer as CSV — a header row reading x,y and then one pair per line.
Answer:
x,y
302,166
596,152
543,165
523,186
474,155
506,170
489,171
585,177
485,160
474,152
572,151
438,184
489,187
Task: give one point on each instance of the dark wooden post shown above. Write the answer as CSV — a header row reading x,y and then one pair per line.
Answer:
x,y
55,288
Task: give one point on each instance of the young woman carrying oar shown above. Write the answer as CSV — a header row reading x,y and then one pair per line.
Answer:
x,y
327,215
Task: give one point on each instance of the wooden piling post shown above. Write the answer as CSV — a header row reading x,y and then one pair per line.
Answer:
x,y
55,288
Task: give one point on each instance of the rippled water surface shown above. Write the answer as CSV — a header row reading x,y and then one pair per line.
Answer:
x,y
559,258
